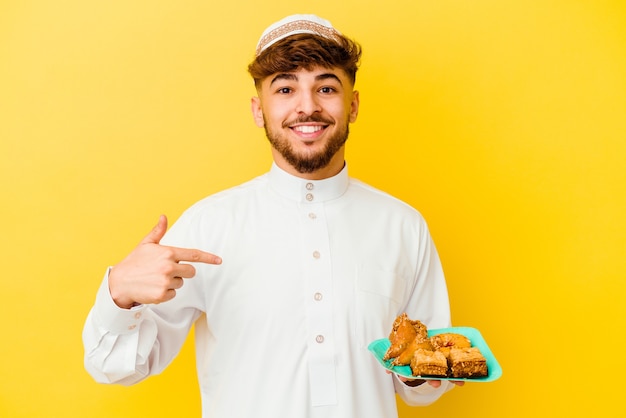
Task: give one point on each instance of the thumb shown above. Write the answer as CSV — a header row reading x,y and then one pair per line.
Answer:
x,y
154,237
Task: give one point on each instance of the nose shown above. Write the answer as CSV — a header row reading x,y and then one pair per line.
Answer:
x,y
308,103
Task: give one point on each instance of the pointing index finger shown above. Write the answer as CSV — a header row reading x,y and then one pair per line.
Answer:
x,y
195,256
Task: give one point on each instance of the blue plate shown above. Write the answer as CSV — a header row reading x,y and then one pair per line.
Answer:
x,y
379,347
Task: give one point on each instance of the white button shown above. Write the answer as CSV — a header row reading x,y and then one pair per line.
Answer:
x,y
312,215
316,254
319,339
131,327
138,315
309,197
309,186
318,296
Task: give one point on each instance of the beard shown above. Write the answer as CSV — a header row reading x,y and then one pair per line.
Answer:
x,y
308,162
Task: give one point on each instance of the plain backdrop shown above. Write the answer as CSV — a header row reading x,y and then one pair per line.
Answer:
x,y
503,122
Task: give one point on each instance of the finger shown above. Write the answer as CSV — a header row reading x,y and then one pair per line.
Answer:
x,y
168,295
184,270
434,383
195,256
154,237
177,283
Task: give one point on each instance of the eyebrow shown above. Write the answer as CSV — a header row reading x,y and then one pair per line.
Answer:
x,y
294,77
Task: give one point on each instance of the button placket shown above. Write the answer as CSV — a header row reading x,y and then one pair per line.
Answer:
x,y
318,276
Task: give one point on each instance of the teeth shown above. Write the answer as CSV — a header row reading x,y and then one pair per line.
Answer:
x,y
307,129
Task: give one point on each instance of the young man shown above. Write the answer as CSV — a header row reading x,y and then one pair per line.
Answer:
x,y
316,265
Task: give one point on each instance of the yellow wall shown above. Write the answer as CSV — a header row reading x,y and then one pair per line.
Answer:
x,y
504,122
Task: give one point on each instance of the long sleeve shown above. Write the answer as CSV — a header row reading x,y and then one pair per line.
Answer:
x,y
428,302
122,345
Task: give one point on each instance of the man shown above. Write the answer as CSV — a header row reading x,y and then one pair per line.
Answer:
x,y
312,265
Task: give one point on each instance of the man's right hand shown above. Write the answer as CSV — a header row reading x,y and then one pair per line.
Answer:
x,y
152,272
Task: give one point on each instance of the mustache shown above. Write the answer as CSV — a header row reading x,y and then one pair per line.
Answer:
x,y
307,119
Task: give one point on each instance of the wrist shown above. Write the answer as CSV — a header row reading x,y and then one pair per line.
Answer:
x,y
119,299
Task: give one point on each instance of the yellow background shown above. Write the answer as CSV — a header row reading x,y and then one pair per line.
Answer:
x,y
503,122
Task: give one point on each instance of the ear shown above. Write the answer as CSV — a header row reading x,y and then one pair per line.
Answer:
x,y
354,106
257,111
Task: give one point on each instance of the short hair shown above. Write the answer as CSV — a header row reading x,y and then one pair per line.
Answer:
x,y
306,51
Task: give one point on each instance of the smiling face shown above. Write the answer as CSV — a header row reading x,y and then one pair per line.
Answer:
x,y
306,116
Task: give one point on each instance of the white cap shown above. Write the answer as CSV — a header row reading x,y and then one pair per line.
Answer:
x,y
292,25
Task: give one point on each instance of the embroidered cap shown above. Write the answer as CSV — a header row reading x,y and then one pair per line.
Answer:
x,y
295,24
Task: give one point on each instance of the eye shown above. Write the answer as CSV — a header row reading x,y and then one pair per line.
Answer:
x,y
284,90
327,90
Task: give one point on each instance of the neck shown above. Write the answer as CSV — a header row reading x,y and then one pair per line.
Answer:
x,y
333,168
